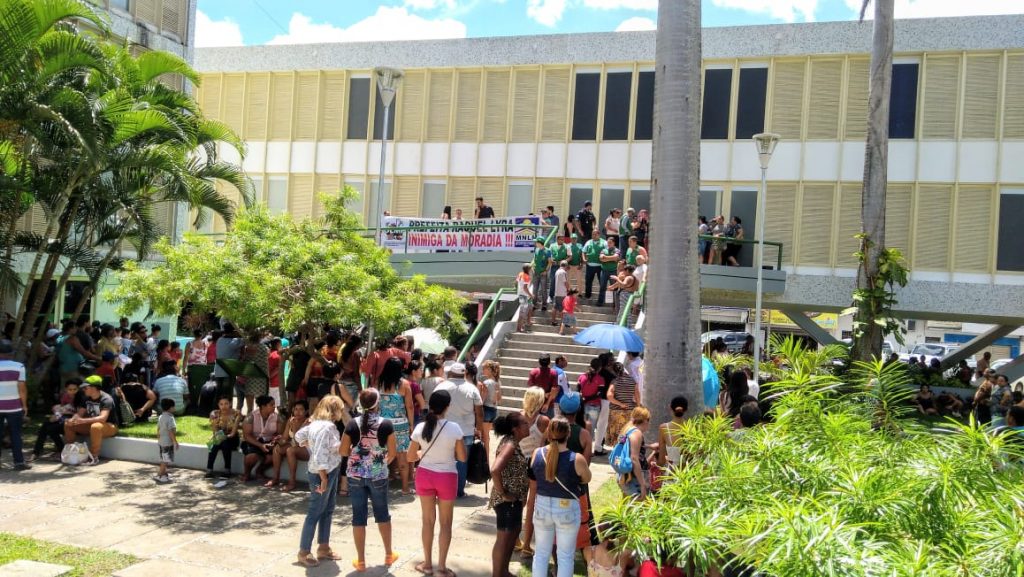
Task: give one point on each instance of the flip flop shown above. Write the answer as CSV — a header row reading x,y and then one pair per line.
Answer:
x,y
270,484
328,555
446,572
308,560
287,488
359,566
423,568
389,560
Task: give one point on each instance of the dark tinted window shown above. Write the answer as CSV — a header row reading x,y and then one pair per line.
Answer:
x,y
1011,255
378,118
584,108
903,101
643,129
618,87
714,123
358,108
750,105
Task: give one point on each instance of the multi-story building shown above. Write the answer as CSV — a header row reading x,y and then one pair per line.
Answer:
x,y
555,120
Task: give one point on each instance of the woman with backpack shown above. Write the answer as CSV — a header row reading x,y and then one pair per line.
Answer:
x,y
559,474
370,444
629,457
436,445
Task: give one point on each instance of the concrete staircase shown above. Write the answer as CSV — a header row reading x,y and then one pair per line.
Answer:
x,y
519,352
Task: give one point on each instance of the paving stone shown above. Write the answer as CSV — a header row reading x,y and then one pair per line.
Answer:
x,y
23,568
171,568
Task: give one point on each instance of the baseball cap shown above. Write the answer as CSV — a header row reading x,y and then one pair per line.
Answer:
x,y
52,333
93,381
540,239
457,369
573,235
570,403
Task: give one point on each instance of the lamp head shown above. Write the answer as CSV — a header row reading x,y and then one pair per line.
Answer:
x,y
765,143
388,80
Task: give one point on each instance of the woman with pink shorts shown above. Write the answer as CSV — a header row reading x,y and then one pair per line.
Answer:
x,y
436,446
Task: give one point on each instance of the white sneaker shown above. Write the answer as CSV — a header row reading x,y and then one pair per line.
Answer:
x,y
162,480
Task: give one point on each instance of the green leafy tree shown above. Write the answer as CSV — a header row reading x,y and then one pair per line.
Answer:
x,y
843,482
271,272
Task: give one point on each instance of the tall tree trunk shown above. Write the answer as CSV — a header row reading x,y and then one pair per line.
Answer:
x,y
876,158
673,355
23,303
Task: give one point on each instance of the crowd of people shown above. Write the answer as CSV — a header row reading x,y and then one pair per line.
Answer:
x,y
718,240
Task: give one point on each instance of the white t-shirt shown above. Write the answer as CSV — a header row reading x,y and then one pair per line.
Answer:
x,y
441,456
465,397
636,370
640,274
560,279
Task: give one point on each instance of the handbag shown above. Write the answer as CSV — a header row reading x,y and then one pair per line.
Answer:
x,y
127,413
477,470
76,454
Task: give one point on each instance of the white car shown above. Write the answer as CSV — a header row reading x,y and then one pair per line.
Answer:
x,y
929,351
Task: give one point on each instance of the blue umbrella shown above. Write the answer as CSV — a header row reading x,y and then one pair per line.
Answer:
x,y
612,337
711,387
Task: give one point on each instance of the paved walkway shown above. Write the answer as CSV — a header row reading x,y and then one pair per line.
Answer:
x,y
189,528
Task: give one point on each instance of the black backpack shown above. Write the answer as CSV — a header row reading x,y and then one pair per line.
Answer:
x,y
208,398
478,471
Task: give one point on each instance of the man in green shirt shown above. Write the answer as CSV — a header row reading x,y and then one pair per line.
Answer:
x,y
609,258
626,227
559,252
575,263
592,256
541,263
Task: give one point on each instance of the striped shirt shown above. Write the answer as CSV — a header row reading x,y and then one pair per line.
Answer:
x,y
11,373
625,389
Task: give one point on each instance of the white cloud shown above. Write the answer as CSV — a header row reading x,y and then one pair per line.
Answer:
x,y
429,4
636,23
620,4
388,23
546,12
785,10
943,8
217,32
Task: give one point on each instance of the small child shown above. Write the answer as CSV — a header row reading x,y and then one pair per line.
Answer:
x,y
167,432
607,559
54,426
569,312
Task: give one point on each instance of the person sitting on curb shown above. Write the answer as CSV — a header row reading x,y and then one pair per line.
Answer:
x,y
261,431
92,418
298,420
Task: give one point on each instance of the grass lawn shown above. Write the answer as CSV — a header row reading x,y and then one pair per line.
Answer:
x,y
85,562
191,429
601,499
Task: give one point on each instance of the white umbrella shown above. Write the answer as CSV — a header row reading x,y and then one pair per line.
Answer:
x,y
427,340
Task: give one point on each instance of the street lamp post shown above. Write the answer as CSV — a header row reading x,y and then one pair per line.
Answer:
x,y
765,143
388,80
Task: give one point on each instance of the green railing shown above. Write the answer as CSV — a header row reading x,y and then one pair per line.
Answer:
x,y
490,312
637,295
727,240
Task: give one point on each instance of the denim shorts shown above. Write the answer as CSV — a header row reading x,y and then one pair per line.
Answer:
x,y
363,491
167,454
509,516
490,413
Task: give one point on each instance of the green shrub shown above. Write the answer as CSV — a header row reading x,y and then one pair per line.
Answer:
x,y
842,482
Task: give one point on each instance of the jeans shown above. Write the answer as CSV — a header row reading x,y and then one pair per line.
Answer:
x,y
606,277
593,414
601,428
462,467
14,420
321,511
375,491
555,519
592,273
540,289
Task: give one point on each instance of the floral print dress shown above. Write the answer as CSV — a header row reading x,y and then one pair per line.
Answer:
x,y
392,408
368,459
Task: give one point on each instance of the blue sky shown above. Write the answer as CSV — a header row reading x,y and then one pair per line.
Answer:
x,y
238,22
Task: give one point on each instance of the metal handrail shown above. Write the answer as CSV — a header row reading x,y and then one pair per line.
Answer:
x,y
639,293
491,311
728,239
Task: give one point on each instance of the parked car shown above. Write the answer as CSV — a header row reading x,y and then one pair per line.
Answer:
x,y
929,351
733,339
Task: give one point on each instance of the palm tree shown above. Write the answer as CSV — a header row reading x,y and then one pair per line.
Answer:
x,y
673,334
868,341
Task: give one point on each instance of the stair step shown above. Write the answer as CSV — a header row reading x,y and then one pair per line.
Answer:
x,y
573,356
547,339
518,370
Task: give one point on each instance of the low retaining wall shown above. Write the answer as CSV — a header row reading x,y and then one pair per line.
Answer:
x,y
188,456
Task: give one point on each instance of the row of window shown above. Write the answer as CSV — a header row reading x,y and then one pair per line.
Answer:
x,y
820,98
